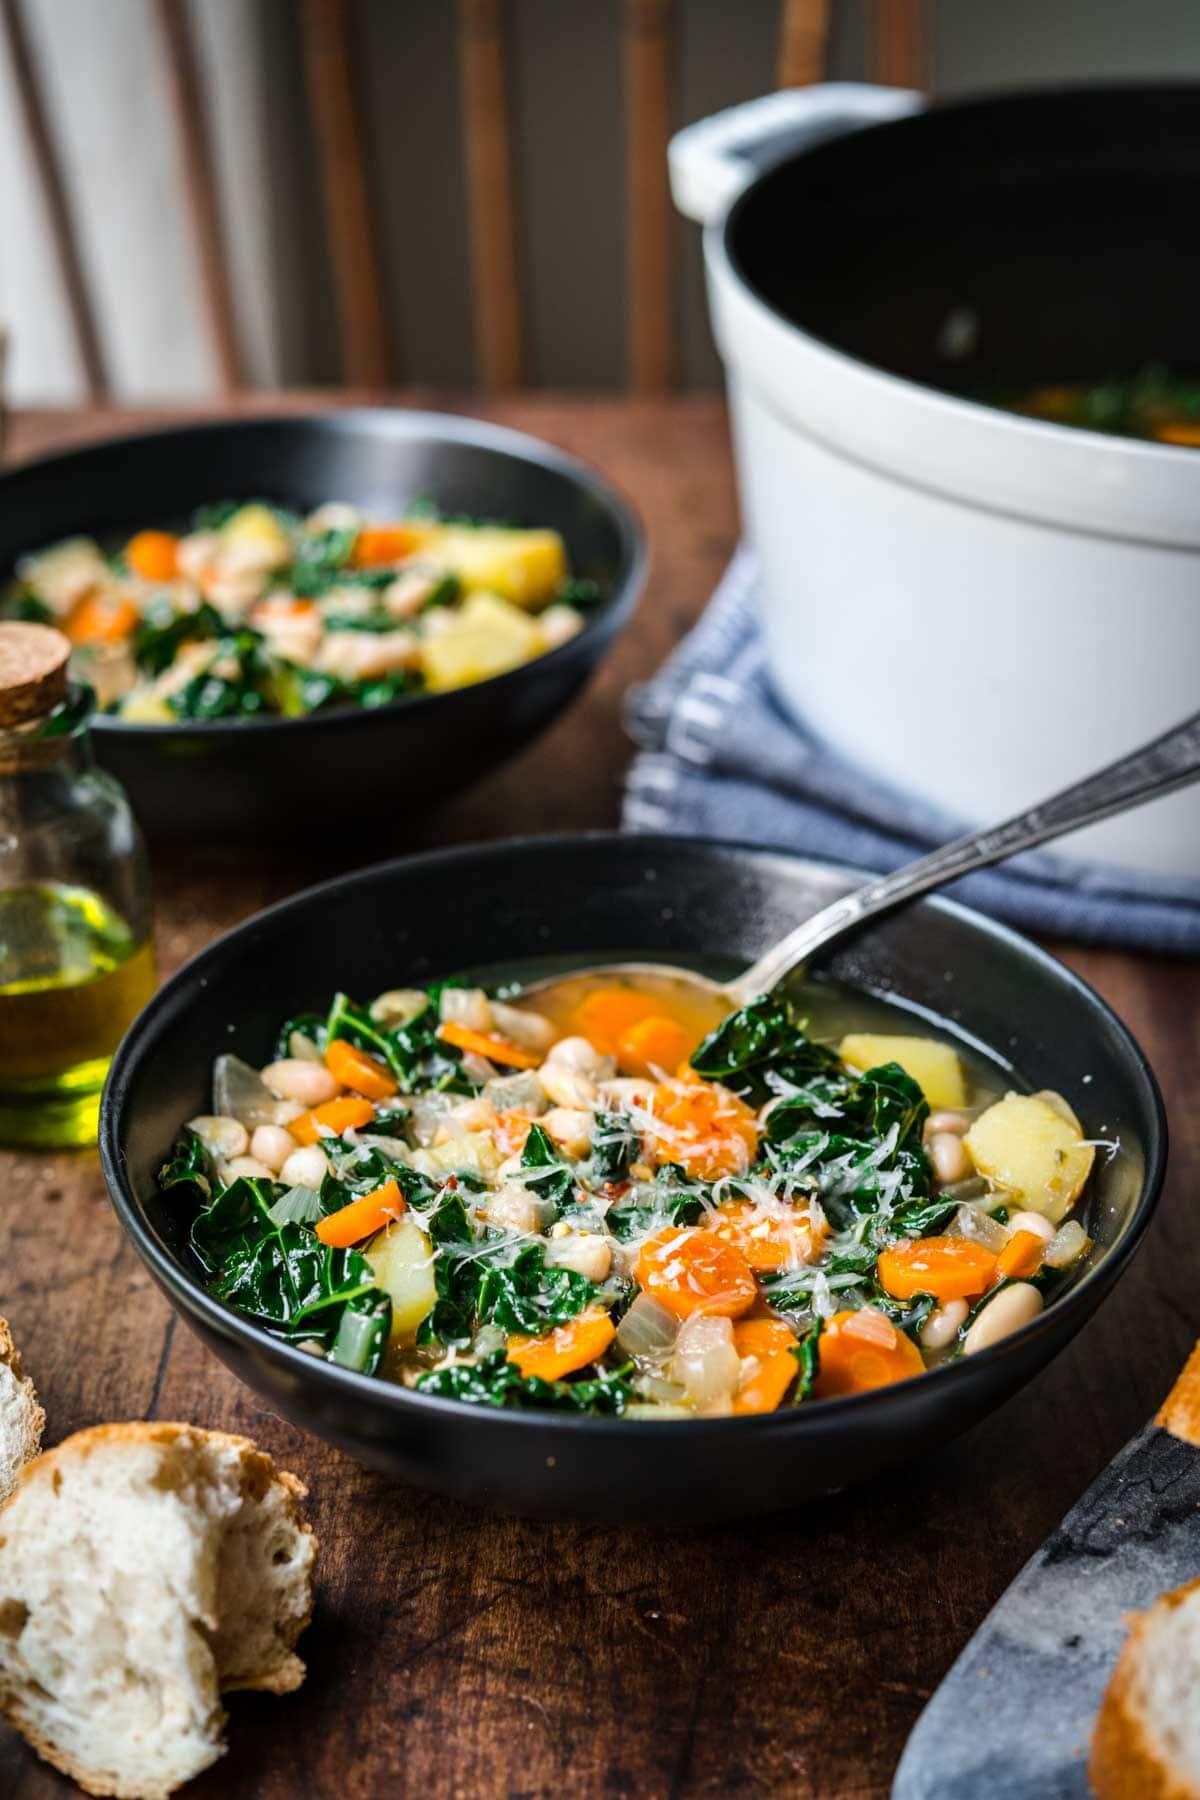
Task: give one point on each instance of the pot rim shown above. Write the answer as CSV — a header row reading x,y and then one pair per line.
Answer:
x,y
1063,477
192,1298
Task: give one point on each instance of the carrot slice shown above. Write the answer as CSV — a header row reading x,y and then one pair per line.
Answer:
x,y
511,1129
355,1069
100,619
362,1218
153,555
949,1268
657,1042
767,1241
694,1271
771,1342
346,1113
704,1128
377,545
605,1014
484,1043
567,1348
1021,1256
863,1350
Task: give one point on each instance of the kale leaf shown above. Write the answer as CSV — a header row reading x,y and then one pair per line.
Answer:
x,y
615,1144
494,1381
163,632
762,1040
544,1172
189,1165
808,1355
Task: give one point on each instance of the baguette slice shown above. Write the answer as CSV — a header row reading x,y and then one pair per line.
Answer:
x,y
1146,1745
21,1418
144,1568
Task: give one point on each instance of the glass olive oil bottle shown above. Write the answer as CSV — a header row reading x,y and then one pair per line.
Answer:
x,y
76,962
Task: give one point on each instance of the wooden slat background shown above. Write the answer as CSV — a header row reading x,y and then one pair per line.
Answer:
x,y
493,39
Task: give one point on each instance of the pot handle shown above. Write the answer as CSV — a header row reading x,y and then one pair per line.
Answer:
x,y
713,160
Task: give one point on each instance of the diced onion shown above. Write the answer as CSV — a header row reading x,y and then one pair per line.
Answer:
x,y
705,1363
1069,1242
426,1113
973,1223
466,1006
648,1331
240,1092
302,1048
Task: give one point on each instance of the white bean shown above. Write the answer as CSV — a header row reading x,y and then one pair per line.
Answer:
x,y
250,1167
568,1087
1031,1221
944,1324
570,1127
950,1157
558,625
584,1251
514,1208
305,1168
947,1120
1013,1307
220,1136
577,1054
532,1030
272,1145
307,1083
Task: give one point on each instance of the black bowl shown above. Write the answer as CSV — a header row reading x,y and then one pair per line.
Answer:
x,y
224,776
593,896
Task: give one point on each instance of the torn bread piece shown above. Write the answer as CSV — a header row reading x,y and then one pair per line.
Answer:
x,y
143,1569
1180,1411
21,1418
1146,1745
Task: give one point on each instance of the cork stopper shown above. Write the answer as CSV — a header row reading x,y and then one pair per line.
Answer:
x,y
33,672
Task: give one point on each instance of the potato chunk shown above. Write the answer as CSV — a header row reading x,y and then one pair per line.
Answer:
x,y
525,567
487,637
401,1259
934,1067
1031,1146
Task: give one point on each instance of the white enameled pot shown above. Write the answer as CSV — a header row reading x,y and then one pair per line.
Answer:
x,y
977,606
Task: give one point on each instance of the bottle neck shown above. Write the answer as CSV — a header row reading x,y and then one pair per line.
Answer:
x,y
61,741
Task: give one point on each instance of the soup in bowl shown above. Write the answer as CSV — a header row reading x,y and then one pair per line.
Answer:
x,y
594,1252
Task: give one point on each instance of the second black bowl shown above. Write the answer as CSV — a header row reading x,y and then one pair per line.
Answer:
x,y
513,904
265,775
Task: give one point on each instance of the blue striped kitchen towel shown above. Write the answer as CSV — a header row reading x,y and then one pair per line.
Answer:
x,y
718,757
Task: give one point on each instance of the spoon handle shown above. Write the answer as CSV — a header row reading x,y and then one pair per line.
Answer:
x,y
1158,768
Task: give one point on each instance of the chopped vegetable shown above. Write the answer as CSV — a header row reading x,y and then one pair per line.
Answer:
x,y
1034,1151
936,1068
354,1068
486,1212
334,1116
565,1349
362,1218
692,1271
863,1350
153,555
485,1043
949,1268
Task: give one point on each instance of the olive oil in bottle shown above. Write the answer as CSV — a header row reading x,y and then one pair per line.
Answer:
x,y
76,963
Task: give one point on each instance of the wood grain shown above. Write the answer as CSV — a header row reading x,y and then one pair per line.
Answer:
x,y
646,49
200,193
353,239
491,209
898,43
47,166
803,42
459,1656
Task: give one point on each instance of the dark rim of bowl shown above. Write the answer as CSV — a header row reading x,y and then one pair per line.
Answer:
x,y
187,1293
986,412
599,625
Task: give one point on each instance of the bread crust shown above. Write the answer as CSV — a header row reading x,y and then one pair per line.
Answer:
x,y
35,1419
1125,1762
258,1474
1180,1411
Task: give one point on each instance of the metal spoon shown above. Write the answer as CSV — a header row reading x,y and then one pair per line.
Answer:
x,y
1158,768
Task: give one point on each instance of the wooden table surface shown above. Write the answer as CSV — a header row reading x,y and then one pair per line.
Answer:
x,y
457,1654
